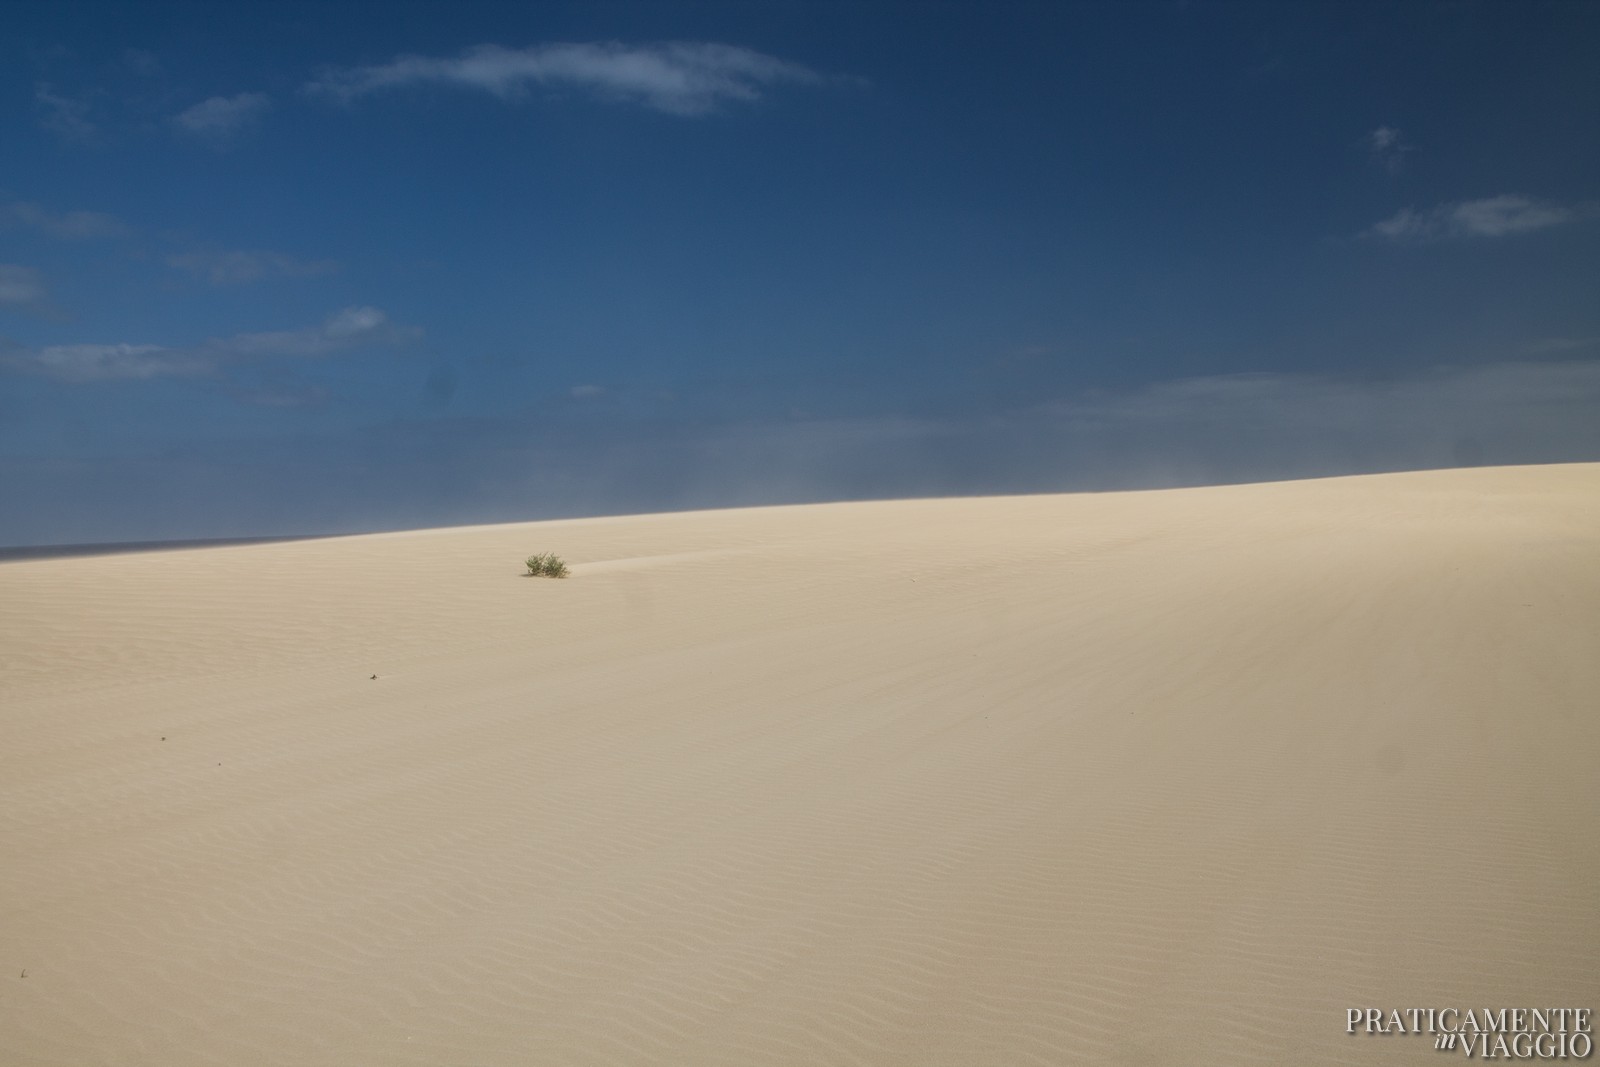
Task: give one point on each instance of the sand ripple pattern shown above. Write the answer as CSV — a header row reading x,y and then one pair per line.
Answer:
x,y
1143,778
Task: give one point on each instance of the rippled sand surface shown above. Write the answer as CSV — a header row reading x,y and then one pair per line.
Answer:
x,y
1148,778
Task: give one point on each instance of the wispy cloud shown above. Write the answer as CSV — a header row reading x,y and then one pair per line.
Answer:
x,y
221,267
1388,148
1226,428
220,117
142,62
1298,404
67,225
1553,345
92,363
63,116
352,328
680,78
284,396
1495,216
22,290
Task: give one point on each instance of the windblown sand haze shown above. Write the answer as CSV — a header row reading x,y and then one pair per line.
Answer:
x,y
1162,777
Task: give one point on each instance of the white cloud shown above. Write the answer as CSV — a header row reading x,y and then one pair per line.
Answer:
x,y
62,115
1494,216
230,268
68,225
1405,224
1384,138
21,289
222,116
352,328
1388,147
1501,215
584,392
92,363
681,78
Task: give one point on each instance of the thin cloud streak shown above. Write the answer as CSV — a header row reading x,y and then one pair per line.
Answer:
x,y
1494,216
284,396
220,267
1519,399
222,116
352,328
65,225
62,115
1211,430
94,363
21,289
679,78
1549,345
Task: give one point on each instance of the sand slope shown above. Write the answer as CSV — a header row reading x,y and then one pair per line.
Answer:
x,y
1146,778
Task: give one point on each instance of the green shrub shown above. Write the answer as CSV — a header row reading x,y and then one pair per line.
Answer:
x,y
548,564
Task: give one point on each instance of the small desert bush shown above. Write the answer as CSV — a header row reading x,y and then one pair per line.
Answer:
x,y
549,565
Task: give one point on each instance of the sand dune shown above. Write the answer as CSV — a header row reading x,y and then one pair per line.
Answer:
x,y
1147,778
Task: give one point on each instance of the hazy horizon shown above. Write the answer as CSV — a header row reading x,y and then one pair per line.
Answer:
x,y
286,269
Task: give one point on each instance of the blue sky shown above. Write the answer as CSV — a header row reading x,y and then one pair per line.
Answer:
x,y
276,268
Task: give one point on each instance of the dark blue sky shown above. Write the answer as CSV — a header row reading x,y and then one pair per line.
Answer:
x,y
271,268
